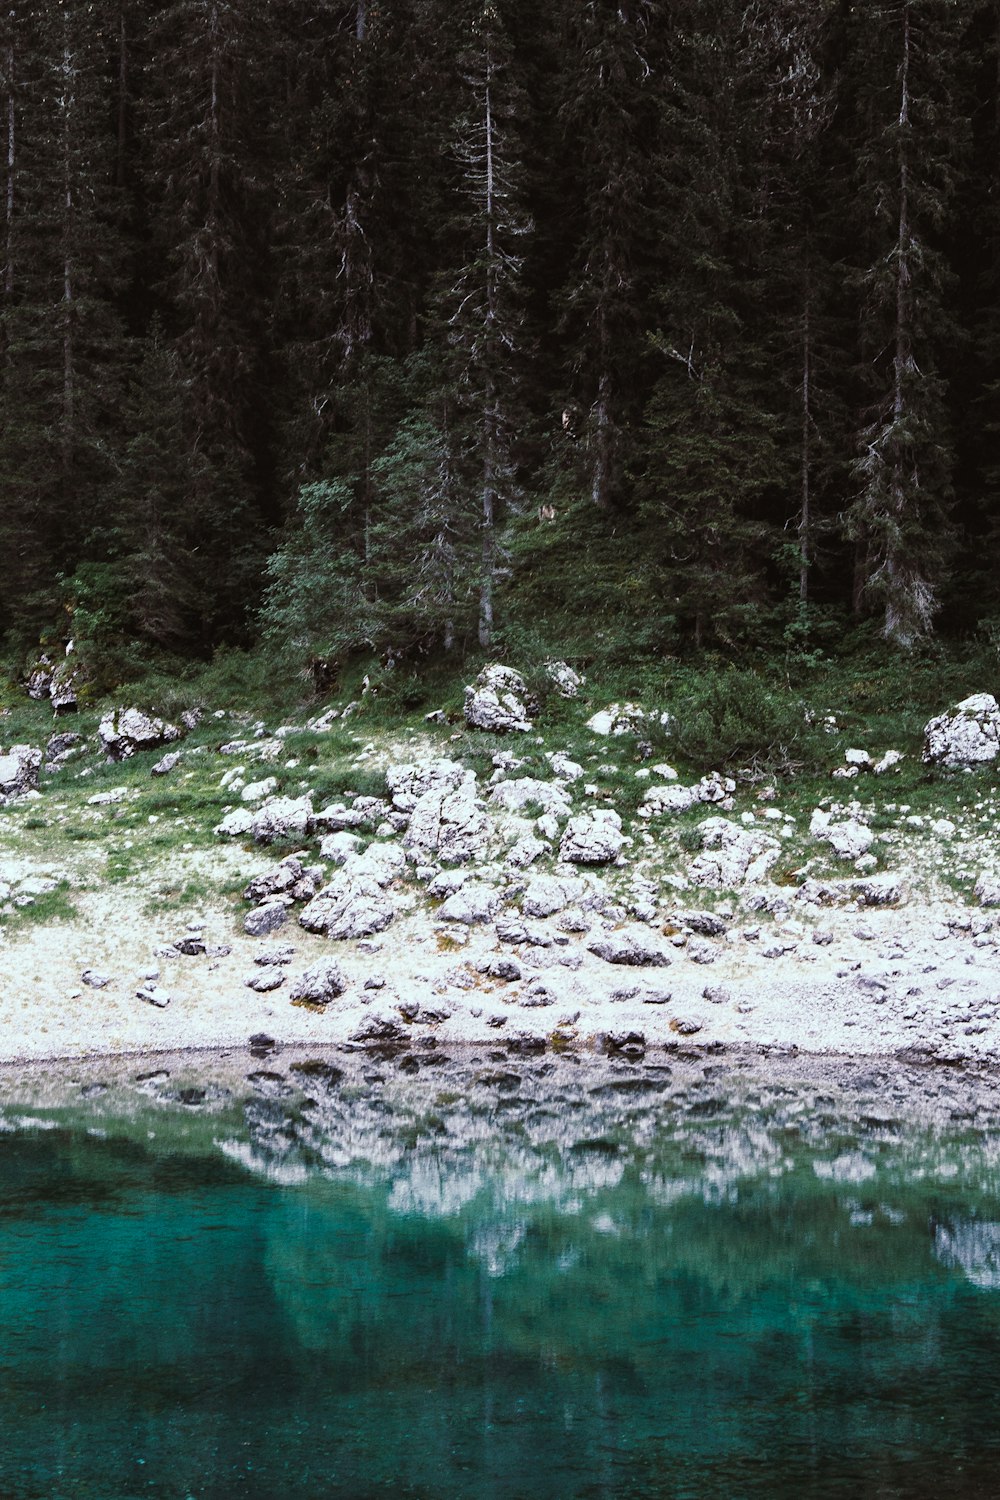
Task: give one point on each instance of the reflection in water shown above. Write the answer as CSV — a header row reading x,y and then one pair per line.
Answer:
x,y
498,1278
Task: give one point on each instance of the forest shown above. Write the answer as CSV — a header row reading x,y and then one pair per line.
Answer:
x,y
415,327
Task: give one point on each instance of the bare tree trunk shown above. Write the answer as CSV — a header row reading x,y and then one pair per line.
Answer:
x,y
122,98
69,372
8,279
805,519
491,434
600,488
901,590
361,20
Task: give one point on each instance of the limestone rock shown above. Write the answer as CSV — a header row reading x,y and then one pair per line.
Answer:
x,y
319,985
289,879
564,679
19,770
124,731
409,780
474,903
235,824
61,748
987,890
354,904
630,945
967,735
40,679
282,818
265,919
732,856
62,689
339,847
515,796
256,791
594,838
495,701
547,894
169,763
264,981
450,823
848,840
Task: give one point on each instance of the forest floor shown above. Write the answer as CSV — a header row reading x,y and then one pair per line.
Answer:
x,y
109,872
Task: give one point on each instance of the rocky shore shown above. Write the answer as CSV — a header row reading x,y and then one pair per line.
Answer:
x,y
515,895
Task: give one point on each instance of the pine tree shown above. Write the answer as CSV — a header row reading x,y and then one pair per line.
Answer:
x,y
483,299
205,166
710,453
62,337
607,123
911,147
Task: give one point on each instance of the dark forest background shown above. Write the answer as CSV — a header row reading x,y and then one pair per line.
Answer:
x,y
433,325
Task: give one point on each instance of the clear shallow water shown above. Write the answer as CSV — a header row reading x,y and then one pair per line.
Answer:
x,y
509,1277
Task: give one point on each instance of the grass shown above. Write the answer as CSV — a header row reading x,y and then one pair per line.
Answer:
x,y
53,906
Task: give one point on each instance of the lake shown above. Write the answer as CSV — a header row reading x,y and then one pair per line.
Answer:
x,y
411,1274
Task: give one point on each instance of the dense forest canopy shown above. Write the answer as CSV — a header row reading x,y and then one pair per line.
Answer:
x,y
393,325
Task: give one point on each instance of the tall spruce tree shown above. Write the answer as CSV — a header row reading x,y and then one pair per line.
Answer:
x,y
60,330
911,138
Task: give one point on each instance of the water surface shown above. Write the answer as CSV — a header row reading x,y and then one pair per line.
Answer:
x,y
356,1276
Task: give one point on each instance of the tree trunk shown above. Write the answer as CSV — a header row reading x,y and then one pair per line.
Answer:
x,y
8,278
805,519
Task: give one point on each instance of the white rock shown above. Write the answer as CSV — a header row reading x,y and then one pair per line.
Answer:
x,y
859,758
889,760
283,817
495,701
732,856
514,796
967,735
547,894
256,791
566,681
594,838
235,824
475,903
124,731
339,846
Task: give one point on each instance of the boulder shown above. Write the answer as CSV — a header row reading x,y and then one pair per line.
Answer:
x,y
19,770
987,890
62,689
495,701
625,718
594,838
409,780
339,847
732,856
282,818
450,824
40,679
526,791
474,903
967,735
62,747
319,985
235,824
364,812
263,982
354,904
256,791
290,879
547,894
265,919
630,945
169,763
564,679
124,731
848,840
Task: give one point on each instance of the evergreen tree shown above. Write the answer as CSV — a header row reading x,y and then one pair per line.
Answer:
x,y
909,153
62,338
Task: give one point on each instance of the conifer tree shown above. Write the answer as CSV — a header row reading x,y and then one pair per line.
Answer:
x,y
910,150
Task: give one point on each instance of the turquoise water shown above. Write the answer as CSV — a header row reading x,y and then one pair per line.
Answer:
x,y
406,1277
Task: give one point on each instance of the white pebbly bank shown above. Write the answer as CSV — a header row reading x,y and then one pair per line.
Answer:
x,y
463,908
